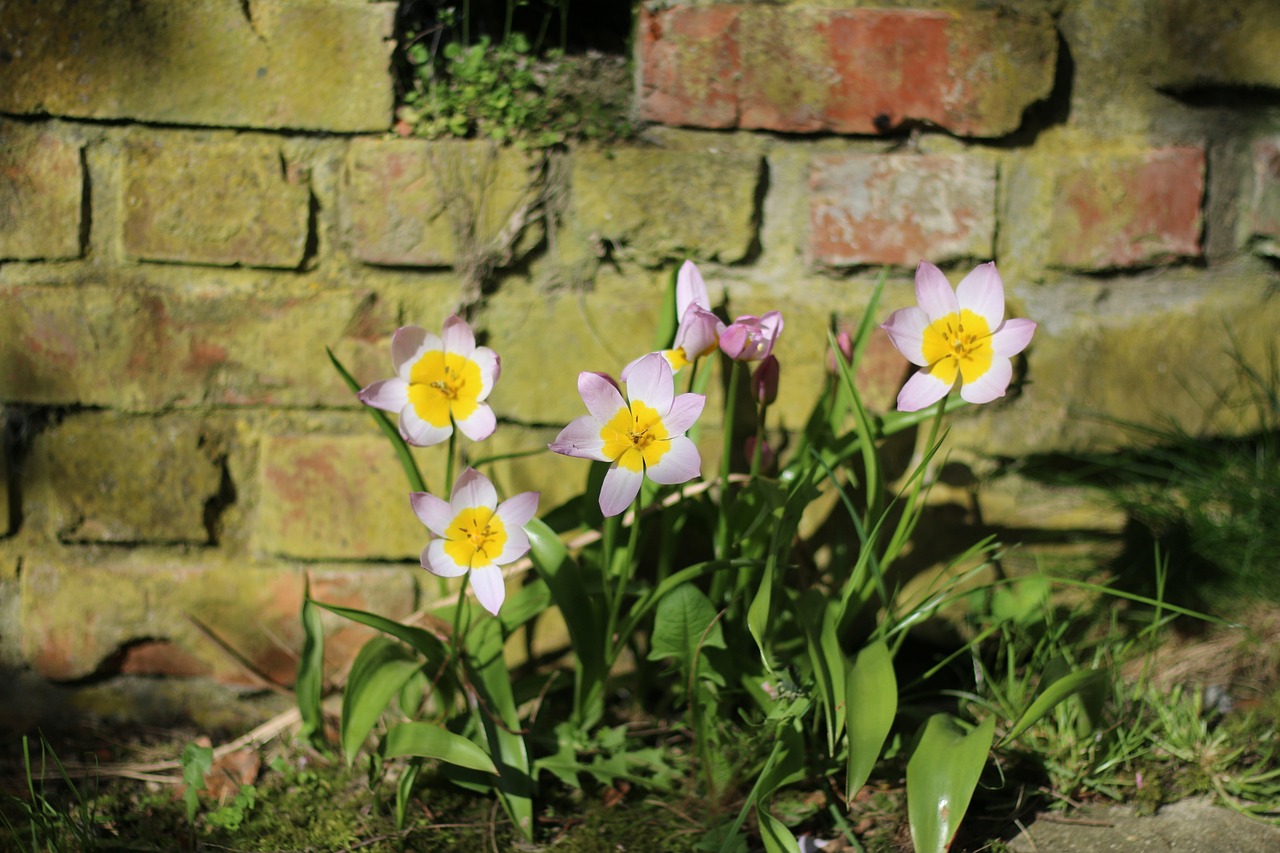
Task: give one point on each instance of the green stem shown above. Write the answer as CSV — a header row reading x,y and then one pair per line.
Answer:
x,y
624,579
726,499
758,452
459,606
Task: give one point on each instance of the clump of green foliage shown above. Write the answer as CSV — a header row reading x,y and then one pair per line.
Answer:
x,y
510,90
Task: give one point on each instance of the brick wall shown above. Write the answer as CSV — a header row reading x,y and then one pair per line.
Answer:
x,y
197,197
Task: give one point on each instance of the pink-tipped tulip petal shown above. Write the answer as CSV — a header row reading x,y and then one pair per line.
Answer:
x,y
431,511
389,395
602,397
619,489
1013,337
906,330
490,589
680,464
923,389
651,381
982,292
990,385
581,438
691,290
933,292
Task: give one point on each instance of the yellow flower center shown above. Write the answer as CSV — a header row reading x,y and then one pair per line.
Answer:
x,y
476,537
635,437
958,343
677,358
443,384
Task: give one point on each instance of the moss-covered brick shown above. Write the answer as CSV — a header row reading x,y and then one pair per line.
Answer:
x,y
41,188
1104,208
83,616
250,210
115,340
430,204
1262,220
861,71
651,205
100,477
1229,43
308,64
334,497
898,209
5,521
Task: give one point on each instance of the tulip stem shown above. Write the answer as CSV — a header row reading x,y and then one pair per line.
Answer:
x,y
726,454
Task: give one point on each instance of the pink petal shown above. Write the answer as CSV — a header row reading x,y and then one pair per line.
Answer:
x,y
680,464
619,489
490,589
922,389
437,561
432,511
699,333
480,424
771,324
1013,337
685,411
991,384
934,293
631,365
458,337
490,369
407,344
516,510
690,290
982,292
472,489
651,382
906,332
517,545
418,432
601,396
580,438
733,340
390,395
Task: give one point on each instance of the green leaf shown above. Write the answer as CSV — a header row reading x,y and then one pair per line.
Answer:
x,y
826,658
941,777
308,686
379,671
871,702
774,833
1051,694
684,621
389,429
196,762
424,642
428,740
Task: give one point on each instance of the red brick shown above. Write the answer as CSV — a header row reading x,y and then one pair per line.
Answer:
x,y
1127,209
41,189
250,212
864,71
899,209
1263,220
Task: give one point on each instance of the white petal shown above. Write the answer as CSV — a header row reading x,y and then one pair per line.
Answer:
x,y
651,382
982,292
680,464
473,489
517,510
480,424
991,384
517,545
905,328
934,293
418,432
922,389
685,411
601,396
490,369
1013,337
458,337
432,511
490,589
690,290
390,395
619,489
580,438
406,345
439,563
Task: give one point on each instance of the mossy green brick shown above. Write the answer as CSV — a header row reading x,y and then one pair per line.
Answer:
x,y
1229,43
108,478
306,64
250,209
41,193
651,205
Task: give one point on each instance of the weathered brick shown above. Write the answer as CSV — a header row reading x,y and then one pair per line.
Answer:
x,y
1263,219
1102,209
5,522
164,612
651,205
1229,43
847,70
106,478
251,210
333,497
887,209
308,64
431,204
204,344
41,187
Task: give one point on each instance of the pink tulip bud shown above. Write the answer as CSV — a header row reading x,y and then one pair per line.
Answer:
x,y
764,382
844,343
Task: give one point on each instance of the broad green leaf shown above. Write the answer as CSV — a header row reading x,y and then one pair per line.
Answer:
x,y
426,643
826,659
871,702
379,671
428,740
684,622
942,775
564,578
1050,695
309,684
774,833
